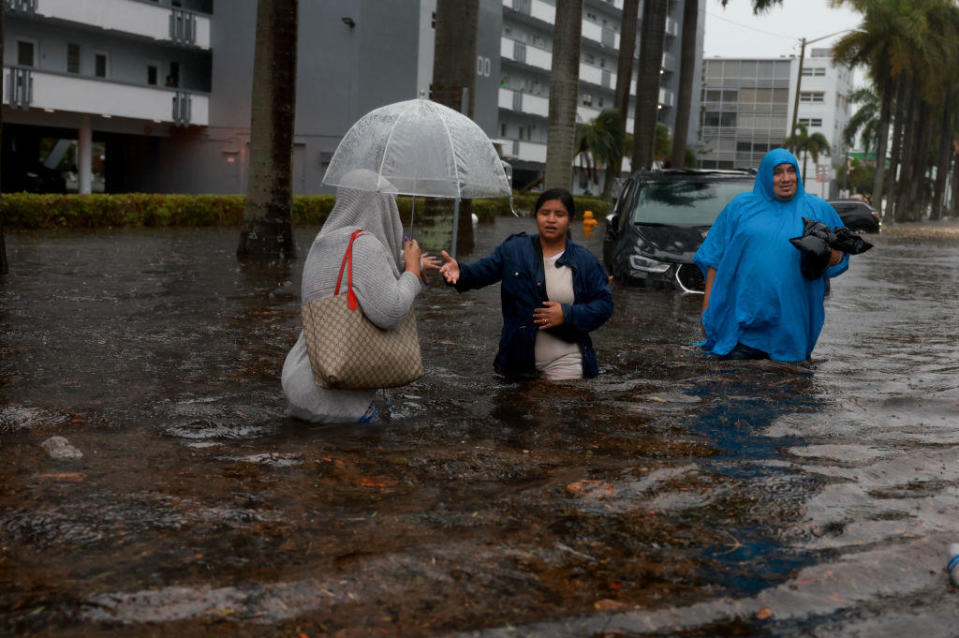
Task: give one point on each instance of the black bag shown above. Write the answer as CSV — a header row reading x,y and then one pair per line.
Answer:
x,y
817,243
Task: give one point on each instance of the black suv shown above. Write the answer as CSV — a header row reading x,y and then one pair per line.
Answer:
x,y
661,218
857,215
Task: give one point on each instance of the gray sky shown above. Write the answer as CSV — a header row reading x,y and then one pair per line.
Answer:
x,y
736,32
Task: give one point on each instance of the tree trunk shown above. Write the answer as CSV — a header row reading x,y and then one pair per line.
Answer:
x,y
904,211
955,182
563,93
687,82
3,242
267,215
647,82
918,193
884,114
624,79
454,78
942,162
893,181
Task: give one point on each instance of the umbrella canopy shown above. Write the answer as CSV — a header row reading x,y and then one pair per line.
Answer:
x,y
420,148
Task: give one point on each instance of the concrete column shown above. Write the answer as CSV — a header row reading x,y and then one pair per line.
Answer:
x,y
85,157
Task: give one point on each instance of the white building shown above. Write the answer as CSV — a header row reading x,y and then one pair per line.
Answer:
x,y
748,109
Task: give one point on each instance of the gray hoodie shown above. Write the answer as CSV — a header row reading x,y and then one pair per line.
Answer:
x,y
384,294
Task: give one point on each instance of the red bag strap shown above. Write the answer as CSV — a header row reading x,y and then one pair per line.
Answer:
x,y
348,259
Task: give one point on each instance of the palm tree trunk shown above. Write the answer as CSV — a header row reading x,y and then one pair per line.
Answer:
x,y
942,164
624,64
885,109
454,75
687,81
624,78
901,92
267,216
3,242
647,83
563,93
915,188
903,205
955,183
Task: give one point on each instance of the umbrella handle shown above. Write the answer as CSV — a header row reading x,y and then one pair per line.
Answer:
x,y
456,227
412,213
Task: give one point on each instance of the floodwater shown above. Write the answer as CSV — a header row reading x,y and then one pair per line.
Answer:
x,y
152,485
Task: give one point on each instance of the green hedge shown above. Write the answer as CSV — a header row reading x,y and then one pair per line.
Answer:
x,y
32,211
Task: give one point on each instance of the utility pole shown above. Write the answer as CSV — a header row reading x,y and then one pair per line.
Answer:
x,y
802,55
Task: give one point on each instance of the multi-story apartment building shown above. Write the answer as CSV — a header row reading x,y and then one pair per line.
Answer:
x,y
101,71
154,95
747,108
526,52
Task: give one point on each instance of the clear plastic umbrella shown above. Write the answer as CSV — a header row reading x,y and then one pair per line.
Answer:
x,y
420,148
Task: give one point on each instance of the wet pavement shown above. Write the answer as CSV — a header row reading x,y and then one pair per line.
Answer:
x,y
152,485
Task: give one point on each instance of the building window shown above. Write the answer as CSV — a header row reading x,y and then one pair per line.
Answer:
x,y
25,53
587,99
152,73
812,97
73,58
100,65
502,129
173,77
813,71
811,121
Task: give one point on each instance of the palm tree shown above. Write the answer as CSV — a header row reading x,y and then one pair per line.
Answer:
x,y
809,145
687,69
647,82
267,216
885,42
563,93
599,143
865,121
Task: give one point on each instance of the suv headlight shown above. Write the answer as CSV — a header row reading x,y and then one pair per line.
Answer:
x,y
638,262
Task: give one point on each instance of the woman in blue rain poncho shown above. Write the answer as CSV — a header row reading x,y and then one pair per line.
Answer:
x,y
757,302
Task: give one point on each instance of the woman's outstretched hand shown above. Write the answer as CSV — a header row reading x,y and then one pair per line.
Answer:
x,y
549,316
451,269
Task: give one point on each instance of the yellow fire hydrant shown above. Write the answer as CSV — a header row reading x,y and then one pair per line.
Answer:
x,y
589,223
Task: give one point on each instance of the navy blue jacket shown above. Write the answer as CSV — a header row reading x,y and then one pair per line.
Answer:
x,y
518,263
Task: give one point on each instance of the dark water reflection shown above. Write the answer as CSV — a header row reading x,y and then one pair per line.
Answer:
x,y
672,494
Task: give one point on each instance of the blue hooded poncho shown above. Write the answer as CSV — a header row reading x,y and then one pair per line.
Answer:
x,y
759,296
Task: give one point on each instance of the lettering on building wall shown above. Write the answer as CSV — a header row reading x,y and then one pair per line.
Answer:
x,y
483,66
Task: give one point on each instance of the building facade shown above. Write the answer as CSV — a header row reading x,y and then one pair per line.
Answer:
x,y
154,95
747,109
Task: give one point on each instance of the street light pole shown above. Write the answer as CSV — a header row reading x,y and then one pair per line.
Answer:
x,y
792,128
802,55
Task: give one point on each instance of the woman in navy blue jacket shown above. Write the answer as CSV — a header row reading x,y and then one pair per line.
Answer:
x,y
554,293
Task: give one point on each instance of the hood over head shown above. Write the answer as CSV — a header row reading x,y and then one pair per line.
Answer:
x,y
375,213
764,176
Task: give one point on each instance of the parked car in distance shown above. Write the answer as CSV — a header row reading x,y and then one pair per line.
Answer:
x,y
857,215
660,219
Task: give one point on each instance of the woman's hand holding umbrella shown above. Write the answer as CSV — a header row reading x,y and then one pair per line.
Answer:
x,y
418,262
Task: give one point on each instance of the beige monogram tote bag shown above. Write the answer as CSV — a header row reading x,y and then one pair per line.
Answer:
x,y
347,351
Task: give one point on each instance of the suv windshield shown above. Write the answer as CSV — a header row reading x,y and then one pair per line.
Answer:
x,y
684,202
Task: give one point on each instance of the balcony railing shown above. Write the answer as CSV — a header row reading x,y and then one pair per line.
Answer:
x,y
25,88
28,7
125,16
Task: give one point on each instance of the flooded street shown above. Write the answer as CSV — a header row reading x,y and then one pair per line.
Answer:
x,y
672,495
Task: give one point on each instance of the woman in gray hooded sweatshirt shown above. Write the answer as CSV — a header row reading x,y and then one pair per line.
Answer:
x,y
386,279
